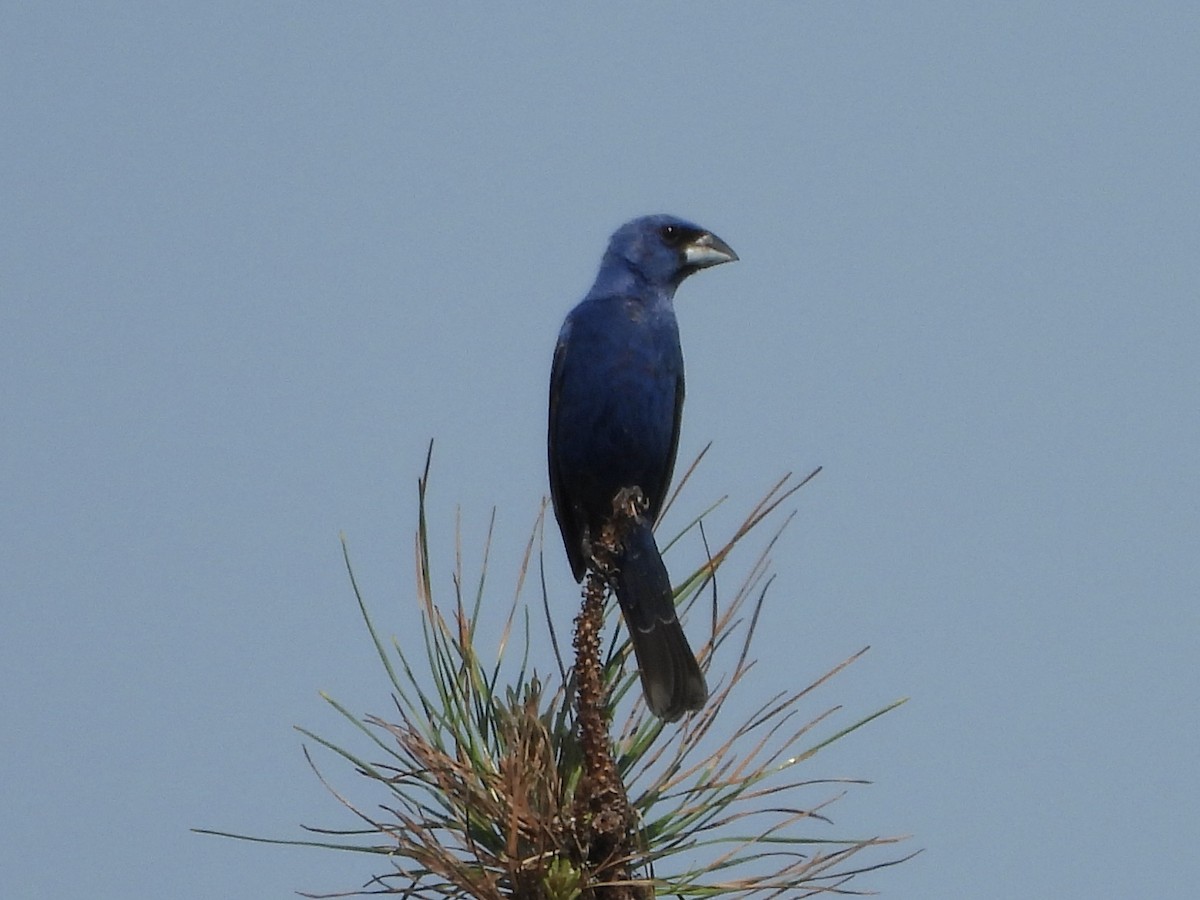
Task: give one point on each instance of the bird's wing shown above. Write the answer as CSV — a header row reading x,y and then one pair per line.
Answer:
x,y
567,522
656,503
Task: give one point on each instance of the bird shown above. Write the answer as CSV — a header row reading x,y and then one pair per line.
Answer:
x,y
616,400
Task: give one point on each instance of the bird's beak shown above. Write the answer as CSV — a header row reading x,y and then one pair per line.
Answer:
x,y
708,250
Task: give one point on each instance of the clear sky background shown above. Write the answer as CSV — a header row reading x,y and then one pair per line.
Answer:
x,y
254,256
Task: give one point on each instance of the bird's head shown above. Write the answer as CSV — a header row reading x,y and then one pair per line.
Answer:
x,y
664,249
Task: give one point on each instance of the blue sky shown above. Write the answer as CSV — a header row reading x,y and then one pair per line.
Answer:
x,y
254,257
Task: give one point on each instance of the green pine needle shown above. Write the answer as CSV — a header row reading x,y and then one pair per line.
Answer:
x,y
478,763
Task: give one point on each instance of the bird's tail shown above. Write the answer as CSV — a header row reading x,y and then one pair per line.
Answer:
x,y
671,677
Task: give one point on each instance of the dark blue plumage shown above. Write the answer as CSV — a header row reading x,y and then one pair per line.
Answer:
x,y
616,395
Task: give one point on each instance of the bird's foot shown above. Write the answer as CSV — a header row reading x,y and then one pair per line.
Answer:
x,y
630,503
604,549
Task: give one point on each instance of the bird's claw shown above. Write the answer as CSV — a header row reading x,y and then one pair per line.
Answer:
x,y
630,502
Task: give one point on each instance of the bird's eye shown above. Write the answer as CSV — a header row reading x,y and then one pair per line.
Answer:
x,y
671,235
